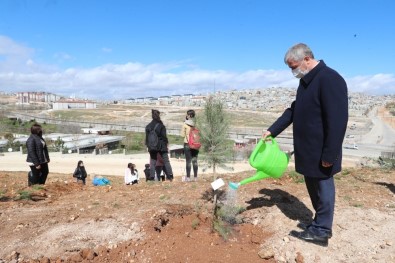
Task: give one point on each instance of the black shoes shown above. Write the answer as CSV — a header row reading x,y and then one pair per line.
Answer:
x,y
305,226
308,236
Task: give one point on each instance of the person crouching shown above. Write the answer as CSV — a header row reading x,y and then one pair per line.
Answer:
x,y
131,175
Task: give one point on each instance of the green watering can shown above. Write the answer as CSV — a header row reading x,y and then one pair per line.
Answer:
x,y
269,161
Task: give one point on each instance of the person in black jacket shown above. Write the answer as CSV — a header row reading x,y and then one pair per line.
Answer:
x,y
319,116
80,172
37,155
157,125
147,172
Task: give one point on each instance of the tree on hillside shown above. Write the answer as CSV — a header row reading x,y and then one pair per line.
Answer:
x,y
214,124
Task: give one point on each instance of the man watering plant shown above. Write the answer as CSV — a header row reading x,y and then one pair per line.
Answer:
x,y
319,116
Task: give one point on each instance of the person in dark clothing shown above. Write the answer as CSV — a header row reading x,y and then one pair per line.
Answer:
x,y
160,130
37,156
80,172
147,172
319,116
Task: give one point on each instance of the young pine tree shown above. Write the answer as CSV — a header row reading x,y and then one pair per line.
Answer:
x,y
214,126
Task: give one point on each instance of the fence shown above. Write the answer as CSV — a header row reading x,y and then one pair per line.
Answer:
x,y
234,133
388,155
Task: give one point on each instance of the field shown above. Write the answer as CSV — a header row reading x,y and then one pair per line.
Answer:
x,y
174,222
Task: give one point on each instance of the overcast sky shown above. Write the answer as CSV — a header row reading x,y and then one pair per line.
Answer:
x,y
127,48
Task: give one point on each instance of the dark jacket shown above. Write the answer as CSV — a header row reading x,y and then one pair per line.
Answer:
x,y
160,131
37,153
319,115
80,172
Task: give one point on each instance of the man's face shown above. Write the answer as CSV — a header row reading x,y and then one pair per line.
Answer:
x,y
293,64
299,68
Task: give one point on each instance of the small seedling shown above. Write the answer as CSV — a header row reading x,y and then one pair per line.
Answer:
x,y
223,230
162,197
25,195
195,223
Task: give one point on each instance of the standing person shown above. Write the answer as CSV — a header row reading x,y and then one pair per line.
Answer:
x,y
80,172
131,175
319,115
191,155
157,126
37,155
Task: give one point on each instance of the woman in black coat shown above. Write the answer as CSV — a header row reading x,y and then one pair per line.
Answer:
x,y
37,155
80,172
159,128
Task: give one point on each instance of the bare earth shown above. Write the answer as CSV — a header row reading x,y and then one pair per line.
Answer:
x,y
172,222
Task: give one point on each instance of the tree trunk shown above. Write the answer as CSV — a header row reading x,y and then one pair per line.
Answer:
x,y
214,212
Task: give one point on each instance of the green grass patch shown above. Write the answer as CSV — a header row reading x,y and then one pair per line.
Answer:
x,y
195,223
37,187
357,205
223,229
162,197
24,195
345,172
296,177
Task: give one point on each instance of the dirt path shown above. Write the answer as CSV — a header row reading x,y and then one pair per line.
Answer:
x,y
171,222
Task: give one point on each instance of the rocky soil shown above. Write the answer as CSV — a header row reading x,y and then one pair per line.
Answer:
x,y
173,222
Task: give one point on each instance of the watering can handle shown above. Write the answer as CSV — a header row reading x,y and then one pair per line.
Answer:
x,y
263,141
274,142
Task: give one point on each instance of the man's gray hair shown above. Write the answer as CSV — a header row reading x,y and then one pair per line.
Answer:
x,y
298,52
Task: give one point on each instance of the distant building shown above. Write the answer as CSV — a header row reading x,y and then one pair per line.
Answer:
x,y
165,98
95,131
73,104
30,97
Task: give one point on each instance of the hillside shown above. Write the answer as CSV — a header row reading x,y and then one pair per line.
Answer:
x,y
171,222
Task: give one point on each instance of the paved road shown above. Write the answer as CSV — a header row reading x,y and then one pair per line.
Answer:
x,y
380,138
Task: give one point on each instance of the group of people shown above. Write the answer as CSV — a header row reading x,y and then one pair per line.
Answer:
x,y
158,169
161,154
319,115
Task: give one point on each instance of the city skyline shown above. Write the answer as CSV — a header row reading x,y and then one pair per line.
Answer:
x,y
112,50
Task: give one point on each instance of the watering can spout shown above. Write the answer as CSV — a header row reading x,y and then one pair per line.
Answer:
x,y
234,186
258,176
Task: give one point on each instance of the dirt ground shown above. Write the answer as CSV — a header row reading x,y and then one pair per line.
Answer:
x,y
172,221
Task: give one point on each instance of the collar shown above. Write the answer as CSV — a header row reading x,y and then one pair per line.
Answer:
x,y
310,76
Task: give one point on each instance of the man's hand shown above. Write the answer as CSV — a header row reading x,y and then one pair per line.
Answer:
x,y
326,164
266,134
